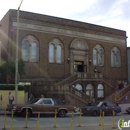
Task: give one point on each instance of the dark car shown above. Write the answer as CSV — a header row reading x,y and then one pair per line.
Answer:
x,y
128,110
44,106
106,107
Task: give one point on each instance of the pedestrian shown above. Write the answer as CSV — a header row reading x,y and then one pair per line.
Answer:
x,y
89,103
117,103
95,70
11,98
31,98
42,96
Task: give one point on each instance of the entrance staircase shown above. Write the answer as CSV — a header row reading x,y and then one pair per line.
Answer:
x,y
65,86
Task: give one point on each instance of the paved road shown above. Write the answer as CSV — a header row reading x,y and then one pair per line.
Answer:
x,y
47,123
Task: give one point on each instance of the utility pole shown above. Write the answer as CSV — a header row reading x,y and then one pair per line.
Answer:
x,y
16,60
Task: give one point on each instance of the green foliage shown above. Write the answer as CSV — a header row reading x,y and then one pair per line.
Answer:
x,y
8,68
7,71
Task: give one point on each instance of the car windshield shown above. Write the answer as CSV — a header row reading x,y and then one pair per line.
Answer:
x,y
99,104
95,104
34,100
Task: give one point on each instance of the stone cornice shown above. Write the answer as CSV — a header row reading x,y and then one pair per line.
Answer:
x,y
67,32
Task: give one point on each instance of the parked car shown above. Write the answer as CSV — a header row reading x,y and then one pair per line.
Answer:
x,y
34,100
128,110
44,106
106,107
10,106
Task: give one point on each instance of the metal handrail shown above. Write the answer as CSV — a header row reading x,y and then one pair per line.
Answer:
x,y
118,96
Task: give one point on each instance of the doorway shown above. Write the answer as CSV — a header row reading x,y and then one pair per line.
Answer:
x,y
79,66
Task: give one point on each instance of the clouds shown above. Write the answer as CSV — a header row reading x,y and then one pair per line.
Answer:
x,y
110,13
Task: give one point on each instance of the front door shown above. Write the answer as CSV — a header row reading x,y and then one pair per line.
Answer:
x,y
79,66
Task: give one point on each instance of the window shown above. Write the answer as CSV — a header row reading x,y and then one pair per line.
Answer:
x,y
51,53
30,49
55,51
47,102
94,56
115,57
100,92
58,54
98,56
33,51
79,87
89,90
25,48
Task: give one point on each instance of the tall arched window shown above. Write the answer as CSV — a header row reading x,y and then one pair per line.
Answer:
x,y
55,51
51,53
33,49
100,91
115,57
98,56
94,56
58,54
25,50
30,49
90,90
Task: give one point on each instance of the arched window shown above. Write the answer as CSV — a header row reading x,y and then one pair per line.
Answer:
x,y
100,91
30,49
94,57
33,49
51,53
79,87
25,50
58,54
115,57
90,90
98,56
55,51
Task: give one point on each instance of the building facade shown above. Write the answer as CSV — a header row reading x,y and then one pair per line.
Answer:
x,y
63,54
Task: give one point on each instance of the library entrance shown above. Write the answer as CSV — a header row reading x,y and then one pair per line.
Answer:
x,y
79,66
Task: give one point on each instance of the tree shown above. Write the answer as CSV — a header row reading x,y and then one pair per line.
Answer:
x,y
7,71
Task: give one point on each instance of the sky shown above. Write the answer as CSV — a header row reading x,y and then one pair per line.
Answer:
x,y
108,13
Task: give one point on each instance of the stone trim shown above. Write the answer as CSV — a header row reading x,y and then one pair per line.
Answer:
x,y
54,30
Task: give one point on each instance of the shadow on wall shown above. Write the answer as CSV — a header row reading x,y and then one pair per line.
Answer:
x,y
22,97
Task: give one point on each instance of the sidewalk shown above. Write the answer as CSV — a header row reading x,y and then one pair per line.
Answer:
x,y
124,106
106,127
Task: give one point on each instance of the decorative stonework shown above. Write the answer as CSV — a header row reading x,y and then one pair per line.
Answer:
x,y
79,44
47,29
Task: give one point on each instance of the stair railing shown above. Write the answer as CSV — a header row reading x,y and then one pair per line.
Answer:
x,y
113,83
67,80
121,93
80,94
65,83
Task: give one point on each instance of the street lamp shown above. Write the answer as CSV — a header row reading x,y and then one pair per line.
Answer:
x,y
16,60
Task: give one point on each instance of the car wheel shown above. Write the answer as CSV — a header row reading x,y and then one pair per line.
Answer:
x,y
24,113
62,113
94,113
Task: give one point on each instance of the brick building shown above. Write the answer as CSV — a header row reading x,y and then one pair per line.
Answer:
x,y
66,59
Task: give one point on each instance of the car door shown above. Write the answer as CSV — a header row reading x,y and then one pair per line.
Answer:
x,y
47,106
110,107
104,108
